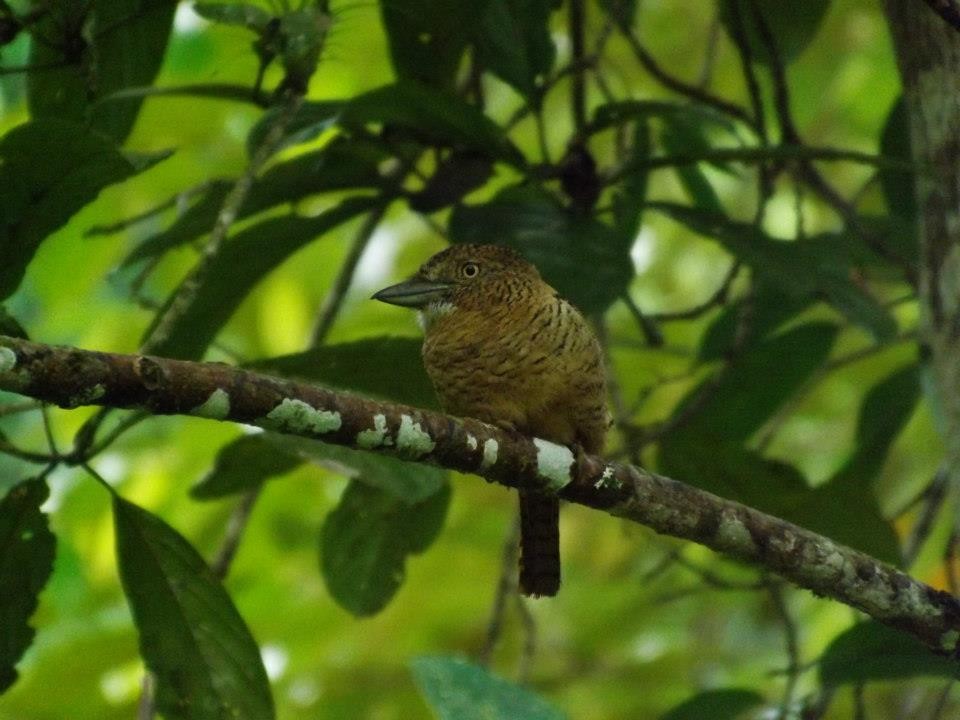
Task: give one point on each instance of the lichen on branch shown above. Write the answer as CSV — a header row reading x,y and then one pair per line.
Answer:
x,y
69,377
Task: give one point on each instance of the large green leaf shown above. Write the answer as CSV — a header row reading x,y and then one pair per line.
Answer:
x,y
341,164
366,540
458,690
244,464
587,261
814,267
311,119
513,42
720,704
708,448
206,664
427,38
241,263
26,560
682,136
49,169
615,114
386,367
248,461
104,46
899,186
845,508
766,310
871,651
252,17
432,115
792,25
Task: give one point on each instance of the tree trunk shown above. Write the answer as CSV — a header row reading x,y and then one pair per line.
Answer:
x,y
928,55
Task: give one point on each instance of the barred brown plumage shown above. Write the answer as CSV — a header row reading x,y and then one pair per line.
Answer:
x,y
502,346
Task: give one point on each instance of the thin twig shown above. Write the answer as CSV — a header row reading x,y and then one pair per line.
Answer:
x,y
578,90
718,297
775,588
333,300
529,651
506,586
236,525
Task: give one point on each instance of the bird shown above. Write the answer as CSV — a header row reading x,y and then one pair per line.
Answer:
x,y
502,346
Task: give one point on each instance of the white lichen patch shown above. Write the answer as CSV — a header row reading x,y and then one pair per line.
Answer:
x,y
606,479
471,442
491,449
411,438
554,463
8,359
378,437
299,417
215,407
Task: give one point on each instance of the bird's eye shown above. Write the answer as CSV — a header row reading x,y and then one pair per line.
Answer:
x,y
469,270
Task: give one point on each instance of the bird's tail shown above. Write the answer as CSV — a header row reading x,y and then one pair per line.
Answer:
x,y
539,543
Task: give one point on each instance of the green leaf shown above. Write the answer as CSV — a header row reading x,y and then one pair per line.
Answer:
x,y
343,163
242,465
817,267
871,651
458,690
720,704
385,367
311,119
434,116
630,194
206,664
411,483
26,560
456,176
251,17
49,169
679,137
792,25
118,44
614,114
587,261
513,42
366,540
241,263
845,508
899,186
708,449
768,310
427,38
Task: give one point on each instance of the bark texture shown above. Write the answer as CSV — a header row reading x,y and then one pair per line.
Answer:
x,y
928,55
70,377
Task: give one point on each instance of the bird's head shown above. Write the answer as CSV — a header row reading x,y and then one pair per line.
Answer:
x,y
463,276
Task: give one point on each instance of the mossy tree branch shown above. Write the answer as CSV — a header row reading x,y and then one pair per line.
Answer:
x,y
70,377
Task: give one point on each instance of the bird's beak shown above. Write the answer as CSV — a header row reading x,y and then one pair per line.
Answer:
x,y
414,293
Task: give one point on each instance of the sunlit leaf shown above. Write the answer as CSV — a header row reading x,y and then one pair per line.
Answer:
x,y
813,267
871,651
242,465
241,263
513,41
385,366
792,25
366,540
26,560
102,47
193,640
720,704
458,690
432,115
245,15
311,119
587,261
49,169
